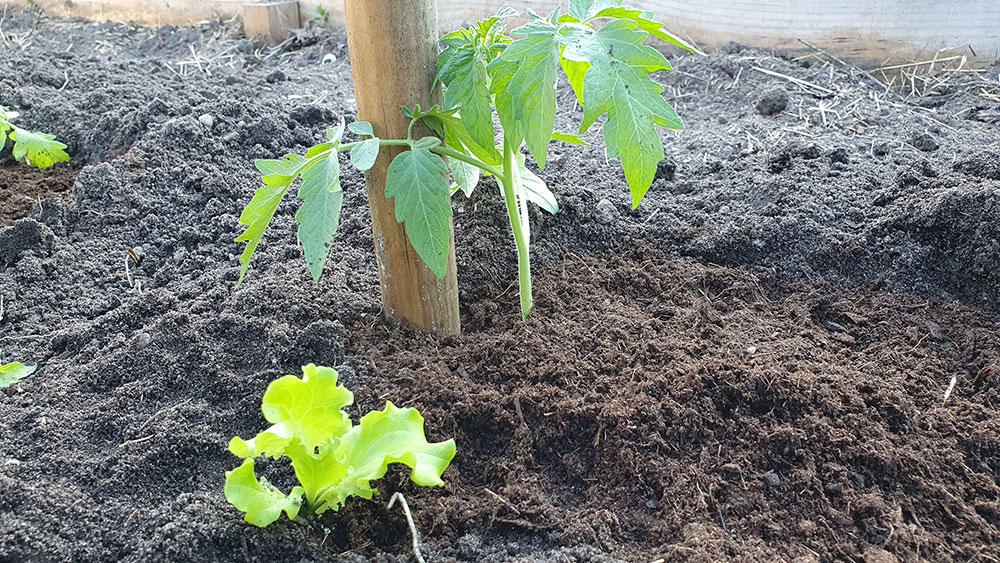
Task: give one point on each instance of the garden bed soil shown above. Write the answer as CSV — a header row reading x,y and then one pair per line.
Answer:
x,y
753,365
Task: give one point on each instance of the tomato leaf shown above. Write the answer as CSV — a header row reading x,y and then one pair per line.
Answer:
x,y
40,149
361,128
364,154
617,83
644,21
319,215
415,181
535,189
524,84
468,86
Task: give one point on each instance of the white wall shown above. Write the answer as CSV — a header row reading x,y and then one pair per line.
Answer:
x,y
869,31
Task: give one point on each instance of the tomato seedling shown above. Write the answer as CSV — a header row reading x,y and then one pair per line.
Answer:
x,y
483,70
333,459
39,149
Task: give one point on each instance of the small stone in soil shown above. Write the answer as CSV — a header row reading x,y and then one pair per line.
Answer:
x,y
935,330
142,341
773,101
207,120
924,142
771,479
605,212
835,327
834,489
275,77
651,504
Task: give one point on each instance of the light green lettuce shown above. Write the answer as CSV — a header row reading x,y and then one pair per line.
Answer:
x,y
333,459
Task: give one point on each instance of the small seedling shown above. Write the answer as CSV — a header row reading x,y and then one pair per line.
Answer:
x,y
320,16
333,459
13,373
37,148
483,70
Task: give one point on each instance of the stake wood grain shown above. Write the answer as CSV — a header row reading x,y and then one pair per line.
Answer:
x,y
393,52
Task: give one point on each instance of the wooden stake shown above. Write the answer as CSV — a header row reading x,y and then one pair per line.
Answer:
x,y
393,48
270,20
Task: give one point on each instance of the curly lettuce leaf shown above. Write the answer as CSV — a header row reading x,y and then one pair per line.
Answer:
x,y
262,501
392,435
310,408
14,372
333,459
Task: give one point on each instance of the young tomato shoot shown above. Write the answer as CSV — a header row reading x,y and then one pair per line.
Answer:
x,y
484,71
39,149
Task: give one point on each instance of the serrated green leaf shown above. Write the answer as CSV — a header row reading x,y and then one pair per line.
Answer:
x,y
280,172
365,153
361,128
317,150
256,216
524,86
41,149
392,435
456,136
535,189
319,216
617,83
415,181
309,408
14,372
580,9
466,176
425,143
644,21
262,501
567,138
467,85
335,133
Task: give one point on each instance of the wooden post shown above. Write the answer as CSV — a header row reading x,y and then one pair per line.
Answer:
x,y
270,20
393,50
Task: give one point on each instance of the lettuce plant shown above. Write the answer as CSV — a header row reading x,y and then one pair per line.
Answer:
x,y
332,458
39,149
485,71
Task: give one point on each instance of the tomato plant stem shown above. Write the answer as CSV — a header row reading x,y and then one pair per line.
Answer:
x,y
509,180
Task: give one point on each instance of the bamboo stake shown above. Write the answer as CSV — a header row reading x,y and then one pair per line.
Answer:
x,y
393,50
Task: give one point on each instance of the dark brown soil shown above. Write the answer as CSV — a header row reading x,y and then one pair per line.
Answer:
x,y
750,366
660,409
22,189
